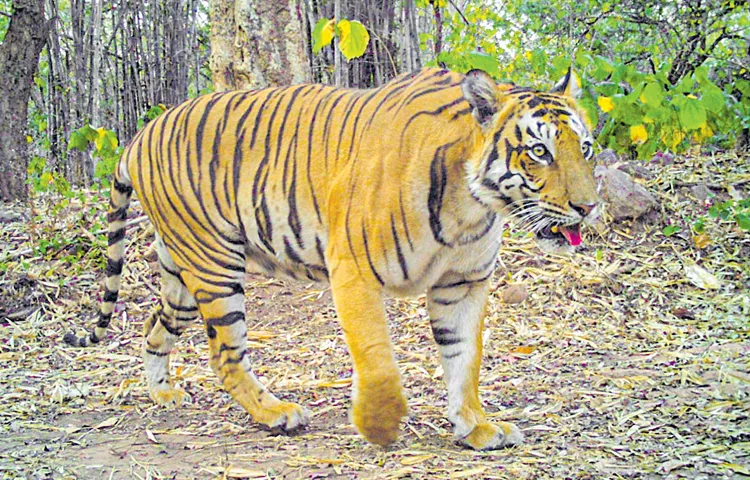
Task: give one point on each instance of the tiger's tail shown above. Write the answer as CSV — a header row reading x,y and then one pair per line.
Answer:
x,y
119,201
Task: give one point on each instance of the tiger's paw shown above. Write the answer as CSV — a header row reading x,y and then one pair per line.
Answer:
x,y
377,410
170,397
285,415
489,436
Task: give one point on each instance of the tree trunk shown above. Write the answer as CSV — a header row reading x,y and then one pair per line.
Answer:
x,y
19,57
256,44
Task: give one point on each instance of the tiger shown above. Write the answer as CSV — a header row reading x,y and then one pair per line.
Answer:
x,y
399,190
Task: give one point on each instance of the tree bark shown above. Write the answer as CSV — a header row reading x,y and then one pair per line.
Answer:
x,y
256,44
19,57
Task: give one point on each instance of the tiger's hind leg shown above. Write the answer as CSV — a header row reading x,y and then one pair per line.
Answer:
x,y
222,306
176,309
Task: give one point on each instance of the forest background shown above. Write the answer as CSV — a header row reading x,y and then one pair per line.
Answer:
x,y
81,76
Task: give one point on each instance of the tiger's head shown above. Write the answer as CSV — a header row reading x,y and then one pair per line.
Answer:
x,y
536,162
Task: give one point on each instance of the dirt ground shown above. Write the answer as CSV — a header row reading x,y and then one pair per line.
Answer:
x,y
615,365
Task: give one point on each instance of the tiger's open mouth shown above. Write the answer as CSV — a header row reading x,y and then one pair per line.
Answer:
x,y
560,233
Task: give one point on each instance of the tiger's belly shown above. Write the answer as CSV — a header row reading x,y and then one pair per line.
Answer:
x,y
429,264
286,264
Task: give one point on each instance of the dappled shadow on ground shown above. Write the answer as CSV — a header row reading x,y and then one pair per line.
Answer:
x,y
615,365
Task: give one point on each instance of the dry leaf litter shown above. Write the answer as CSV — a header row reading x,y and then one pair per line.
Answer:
x,y
629,359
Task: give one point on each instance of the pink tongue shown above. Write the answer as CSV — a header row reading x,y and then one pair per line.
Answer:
x,y
572,235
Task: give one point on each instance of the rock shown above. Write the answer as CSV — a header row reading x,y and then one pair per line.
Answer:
x,y
636,169
700,192
515,293
607,157
662,158
625,198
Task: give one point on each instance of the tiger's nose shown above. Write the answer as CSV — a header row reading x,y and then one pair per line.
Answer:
x,y
583,208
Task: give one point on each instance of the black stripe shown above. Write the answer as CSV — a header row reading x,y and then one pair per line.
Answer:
x,y
438,183
369,259
399,253
462,283
174,273
156,354
293,217
289,105
117,215
353,142
238,359
227,320
471,238
289,251
534,102
109,295
442,85
224,347
432,113
320,103
182,308
122,188
165,323
104,319
204,296
265,227
114,267
445,336
116,236
319,249
444,302
403,220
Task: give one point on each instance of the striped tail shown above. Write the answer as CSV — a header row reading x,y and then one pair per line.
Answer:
x,y
116,217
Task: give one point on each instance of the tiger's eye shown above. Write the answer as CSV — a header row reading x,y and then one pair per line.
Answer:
x,y
587,150
539,150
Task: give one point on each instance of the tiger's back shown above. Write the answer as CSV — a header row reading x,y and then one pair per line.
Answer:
x,y
256,172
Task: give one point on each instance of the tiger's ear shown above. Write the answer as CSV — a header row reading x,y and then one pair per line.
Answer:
x,y
569,85
480,90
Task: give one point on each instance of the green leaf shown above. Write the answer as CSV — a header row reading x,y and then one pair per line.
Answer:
x,y
89,132
78,141
743,220
744,87
603,68
484,62
670,230
685,85
653,94
692,114
712,98
354,39
323,34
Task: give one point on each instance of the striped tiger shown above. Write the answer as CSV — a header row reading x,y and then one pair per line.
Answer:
x,y
402,189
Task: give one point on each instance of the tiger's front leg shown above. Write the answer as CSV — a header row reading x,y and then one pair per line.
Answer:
x,y
457,309
378,403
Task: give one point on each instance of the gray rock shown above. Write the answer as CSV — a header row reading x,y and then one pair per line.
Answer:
x,y
607,157
625,198
637,169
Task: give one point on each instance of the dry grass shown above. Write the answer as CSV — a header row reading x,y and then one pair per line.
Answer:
x,y
616,365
